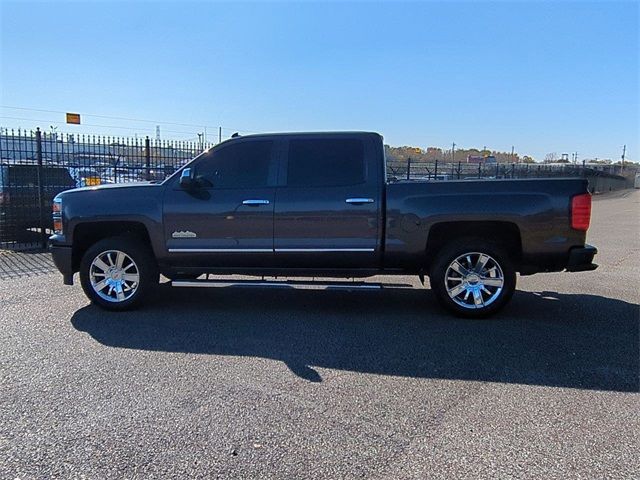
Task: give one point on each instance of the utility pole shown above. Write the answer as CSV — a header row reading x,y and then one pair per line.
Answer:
x,y
512,149
453,153
624,150
219,134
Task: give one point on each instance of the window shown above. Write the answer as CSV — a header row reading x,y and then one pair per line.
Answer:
x,y
325,162
239,165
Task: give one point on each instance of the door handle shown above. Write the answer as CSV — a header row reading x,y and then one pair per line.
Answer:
x,y
359,200
255,203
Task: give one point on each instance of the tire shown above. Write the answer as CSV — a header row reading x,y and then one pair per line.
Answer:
x,y
458,283
118,289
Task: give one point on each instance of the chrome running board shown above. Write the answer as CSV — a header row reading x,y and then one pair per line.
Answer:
x,y
297,284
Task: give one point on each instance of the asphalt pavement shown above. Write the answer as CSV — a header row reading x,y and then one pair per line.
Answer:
x,y
237,383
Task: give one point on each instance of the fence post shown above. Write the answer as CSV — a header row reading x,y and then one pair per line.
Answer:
x,y
409,168
459,168
147,158
40,170
435,171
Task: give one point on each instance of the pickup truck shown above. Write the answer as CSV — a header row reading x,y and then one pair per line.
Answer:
x,y
20,197
318,205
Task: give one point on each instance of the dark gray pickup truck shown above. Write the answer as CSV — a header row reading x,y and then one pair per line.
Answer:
x,y
318,205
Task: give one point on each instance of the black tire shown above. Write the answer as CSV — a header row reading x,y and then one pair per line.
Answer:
x,y
498,296
144,262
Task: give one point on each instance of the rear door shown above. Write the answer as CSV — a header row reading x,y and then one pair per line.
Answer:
x,y
228,223
327,213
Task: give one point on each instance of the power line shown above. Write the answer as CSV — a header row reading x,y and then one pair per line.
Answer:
x,y
128,119
91,125
106,116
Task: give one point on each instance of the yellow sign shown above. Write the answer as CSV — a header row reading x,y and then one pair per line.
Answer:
x,y
73,118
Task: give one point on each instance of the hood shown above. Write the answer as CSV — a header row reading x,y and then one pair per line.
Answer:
x,y
113,186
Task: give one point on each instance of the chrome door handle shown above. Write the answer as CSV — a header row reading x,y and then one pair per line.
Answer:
x,y
359,200
255,202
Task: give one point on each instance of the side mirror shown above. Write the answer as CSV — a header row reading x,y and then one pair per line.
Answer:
x,y
187,179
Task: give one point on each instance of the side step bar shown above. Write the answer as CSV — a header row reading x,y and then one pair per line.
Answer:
x,y
297,284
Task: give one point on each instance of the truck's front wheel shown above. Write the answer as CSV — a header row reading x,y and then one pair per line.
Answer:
x,y
117,273
473,277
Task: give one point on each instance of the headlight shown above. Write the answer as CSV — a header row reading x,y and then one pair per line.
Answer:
x,y
57,215
57,206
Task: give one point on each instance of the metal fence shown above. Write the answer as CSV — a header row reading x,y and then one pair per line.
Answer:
x,y
437,170
35,166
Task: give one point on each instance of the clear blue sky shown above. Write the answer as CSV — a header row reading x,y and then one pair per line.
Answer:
x,y
545,77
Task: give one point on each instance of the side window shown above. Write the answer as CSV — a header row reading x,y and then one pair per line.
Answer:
x,y
244,164
325,162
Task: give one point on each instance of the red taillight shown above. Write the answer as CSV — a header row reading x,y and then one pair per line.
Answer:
x,y
581,211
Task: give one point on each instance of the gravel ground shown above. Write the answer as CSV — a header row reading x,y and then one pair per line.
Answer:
x,y
236,383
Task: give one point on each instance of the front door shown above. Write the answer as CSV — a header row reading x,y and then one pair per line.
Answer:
x,y
227,221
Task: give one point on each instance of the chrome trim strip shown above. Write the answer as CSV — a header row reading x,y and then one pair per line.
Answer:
x,y
268,250
321,250
359,200
255,202
220,250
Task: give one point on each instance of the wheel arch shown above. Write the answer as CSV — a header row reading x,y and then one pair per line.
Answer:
x,y
87,234
506,234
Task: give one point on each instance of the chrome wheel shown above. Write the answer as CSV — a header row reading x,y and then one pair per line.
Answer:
x,y
114,276
474,280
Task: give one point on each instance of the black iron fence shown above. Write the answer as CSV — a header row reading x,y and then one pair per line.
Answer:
x,y
36,165
440,170
601,177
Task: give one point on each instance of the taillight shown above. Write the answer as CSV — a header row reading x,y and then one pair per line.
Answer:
x,y
581,211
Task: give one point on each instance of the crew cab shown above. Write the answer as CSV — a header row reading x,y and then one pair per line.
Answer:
x,y
318,205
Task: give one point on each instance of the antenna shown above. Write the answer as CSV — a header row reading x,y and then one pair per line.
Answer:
x,y
157,133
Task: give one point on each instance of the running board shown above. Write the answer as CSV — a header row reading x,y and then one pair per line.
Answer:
x,y
297,284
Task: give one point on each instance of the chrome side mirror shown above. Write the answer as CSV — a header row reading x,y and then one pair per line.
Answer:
x,y
187,178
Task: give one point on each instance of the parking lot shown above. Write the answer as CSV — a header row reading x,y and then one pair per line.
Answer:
x,y
237,383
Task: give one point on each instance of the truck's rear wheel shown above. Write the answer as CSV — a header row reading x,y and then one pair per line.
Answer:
x,y
117,273
473,278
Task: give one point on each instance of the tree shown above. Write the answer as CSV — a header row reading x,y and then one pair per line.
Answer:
x,y
551,157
